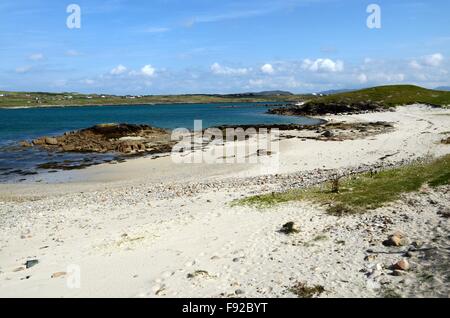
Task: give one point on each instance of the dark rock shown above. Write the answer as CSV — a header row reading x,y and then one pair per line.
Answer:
x,y
239,292
31,263
290,228
327,134
323,108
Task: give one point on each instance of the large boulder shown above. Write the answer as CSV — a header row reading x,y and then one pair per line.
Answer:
x,y
122,138
51,141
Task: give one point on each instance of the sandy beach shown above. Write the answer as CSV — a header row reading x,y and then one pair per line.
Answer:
x,y
153,228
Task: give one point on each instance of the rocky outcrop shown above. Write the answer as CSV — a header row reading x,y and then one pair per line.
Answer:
x,y
121,138
317,108
325,131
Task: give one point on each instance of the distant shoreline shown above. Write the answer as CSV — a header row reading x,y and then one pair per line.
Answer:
x,y
144,104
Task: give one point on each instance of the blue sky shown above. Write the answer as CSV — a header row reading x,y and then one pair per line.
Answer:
x,y
217,46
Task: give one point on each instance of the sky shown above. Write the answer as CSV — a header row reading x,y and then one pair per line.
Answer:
x,y
221,46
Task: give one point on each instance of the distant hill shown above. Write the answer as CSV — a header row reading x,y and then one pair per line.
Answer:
x,y
370,99
274,93
39,99
391,95
336,91
264,93
443,88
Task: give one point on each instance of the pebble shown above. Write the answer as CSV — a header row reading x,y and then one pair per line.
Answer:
x,y
290,228
397,239
370,257
31,263
58,274
402,265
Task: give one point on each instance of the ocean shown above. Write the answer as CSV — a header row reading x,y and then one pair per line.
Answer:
x,y
29,123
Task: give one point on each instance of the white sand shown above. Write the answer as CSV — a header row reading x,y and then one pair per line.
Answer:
x,y
134,230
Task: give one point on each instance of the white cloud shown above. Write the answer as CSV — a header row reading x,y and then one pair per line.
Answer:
x,y
119,69
267,69
415,65
36,57
434,59
148,70
218,69
323,65
362,78
23,69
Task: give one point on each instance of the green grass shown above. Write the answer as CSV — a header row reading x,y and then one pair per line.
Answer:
x,y
364,191
12,99
389,96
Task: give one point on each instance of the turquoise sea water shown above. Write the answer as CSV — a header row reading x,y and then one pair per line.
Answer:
x,y
29,123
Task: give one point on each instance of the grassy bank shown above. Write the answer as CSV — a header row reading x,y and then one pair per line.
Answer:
x,y
364,191
389,96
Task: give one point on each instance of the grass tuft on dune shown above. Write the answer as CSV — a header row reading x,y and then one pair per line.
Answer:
x,y
362,192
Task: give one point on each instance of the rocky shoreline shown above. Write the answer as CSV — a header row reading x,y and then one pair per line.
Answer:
x,y
120,138
143,139
317,108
